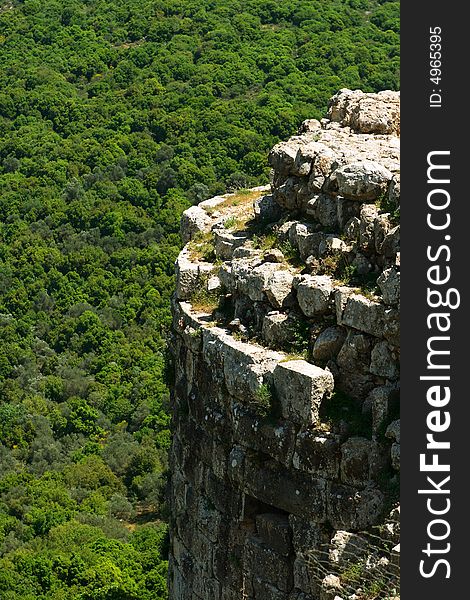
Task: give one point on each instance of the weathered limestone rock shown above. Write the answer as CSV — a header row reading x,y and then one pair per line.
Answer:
x,y
332,245
367,113
309,125
352,229
353,361
194,220
391,244
368,216
364,314
331,587
301,388
382,399
394,190
263,561
382,227
274,255
279,288
328,343
342,295
282,156
252,278
361,264
353,509
303,496
212,203
244,365
266,209
252,430
226,278
318,453
362,181
226,243
278,329
314,293
389,284
355,454
213,283
384,362
190,276
347,548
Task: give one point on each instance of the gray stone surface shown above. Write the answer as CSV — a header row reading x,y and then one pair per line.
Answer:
x,y
301,388
194,221
314,294
389,284
279,288
190,275
363,181
328,343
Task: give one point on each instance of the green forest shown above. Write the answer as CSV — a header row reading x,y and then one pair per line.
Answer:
x,y
115,116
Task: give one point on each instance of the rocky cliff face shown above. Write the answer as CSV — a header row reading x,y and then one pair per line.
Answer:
x,y
286,352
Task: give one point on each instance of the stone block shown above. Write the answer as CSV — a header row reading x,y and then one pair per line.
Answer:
x,y
226,242
283,488
318,453
244,366
282,156
363,181
352,509
307,574
276,439
267,209
190,275
262,561
277,329
384,361
347,548
355,458
301,387
383,400
279,289
274,530
389,284
252,278
328,344
314,293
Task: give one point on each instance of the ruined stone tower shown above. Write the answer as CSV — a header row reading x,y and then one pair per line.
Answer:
x,y
284,482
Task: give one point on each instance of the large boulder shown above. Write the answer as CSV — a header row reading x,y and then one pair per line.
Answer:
x,y
366,113
363,181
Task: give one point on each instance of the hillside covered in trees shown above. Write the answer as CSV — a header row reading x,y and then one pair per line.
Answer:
x,y
114,117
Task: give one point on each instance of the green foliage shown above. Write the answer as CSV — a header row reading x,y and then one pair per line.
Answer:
x,y
265,241
230,222
263,400
114,118
204,300
385,204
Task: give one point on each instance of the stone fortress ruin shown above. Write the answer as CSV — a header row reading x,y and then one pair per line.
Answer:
x,y
285,404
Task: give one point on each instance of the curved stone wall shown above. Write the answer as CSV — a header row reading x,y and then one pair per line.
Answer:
x,y
285,453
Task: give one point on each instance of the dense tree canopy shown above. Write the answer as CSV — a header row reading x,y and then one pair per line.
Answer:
x,y
114,117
